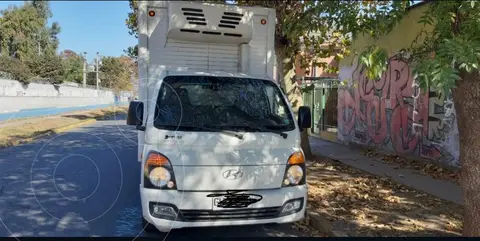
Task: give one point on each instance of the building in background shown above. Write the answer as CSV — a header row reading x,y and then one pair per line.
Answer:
x,y
320,93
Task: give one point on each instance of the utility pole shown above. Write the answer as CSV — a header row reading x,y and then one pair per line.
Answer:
x,y
84,69
97,67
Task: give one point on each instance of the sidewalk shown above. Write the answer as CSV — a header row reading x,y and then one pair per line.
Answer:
x,y
353,157
354,194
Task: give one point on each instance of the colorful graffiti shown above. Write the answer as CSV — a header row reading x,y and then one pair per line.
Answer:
x,y
393,113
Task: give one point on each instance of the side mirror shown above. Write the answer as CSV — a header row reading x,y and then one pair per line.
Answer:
x,y
135,113
304,117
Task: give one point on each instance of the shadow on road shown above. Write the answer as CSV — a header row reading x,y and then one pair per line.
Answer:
x,y
86,183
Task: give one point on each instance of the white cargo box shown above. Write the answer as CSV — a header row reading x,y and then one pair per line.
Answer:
x,y
205,37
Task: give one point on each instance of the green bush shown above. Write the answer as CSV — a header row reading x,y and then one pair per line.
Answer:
x,y
47,67
15,69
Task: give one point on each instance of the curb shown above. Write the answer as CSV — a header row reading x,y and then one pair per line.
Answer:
x,y
53,131
72,126
323,225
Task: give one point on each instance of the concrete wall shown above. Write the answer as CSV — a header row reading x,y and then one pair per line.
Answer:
x,y
391,113
15,97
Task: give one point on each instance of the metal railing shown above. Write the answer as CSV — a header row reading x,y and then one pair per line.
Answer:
x,y
322,99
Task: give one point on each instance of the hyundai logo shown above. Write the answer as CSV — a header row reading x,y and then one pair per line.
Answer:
x,y
232,174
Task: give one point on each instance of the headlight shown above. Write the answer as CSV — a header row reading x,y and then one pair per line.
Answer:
x,y
159,176
295,170
294,175
158,172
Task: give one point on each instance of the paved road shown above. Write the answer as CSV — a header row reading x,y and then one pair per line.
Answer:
x,y
85,183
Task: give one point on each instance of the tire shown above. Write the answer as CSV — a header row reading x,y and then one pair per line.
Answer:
x,y
148,227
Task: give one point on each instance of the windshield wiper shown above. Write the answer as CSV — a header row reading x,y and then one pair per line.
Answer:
x,y
203,128
267,128
215,128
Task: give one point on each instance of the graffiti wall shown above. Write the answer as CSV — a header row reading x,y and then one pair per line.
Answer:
x,y
393,114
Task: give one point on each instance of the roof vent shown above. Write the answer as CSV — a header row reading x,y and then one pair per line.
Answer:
x,y
230,20
205,22
194,16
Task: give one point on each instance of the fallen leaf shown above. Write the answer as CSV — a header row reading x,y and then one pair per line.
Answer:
x,y
346,198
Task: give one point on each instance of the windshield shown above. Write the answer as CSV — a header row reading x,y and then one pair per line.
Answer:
x,y
221,102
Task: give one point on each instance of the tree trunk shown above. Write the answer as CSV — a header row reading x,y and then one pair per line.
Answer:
x,y
467,105
286,67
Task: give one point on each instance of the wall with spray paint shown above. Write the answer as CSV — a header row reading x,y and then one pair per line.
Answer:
x,y
392,113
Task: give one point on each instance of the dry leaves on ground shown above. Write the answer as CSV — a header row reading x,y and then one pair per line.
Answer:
x,y
361,204
304,226
422,167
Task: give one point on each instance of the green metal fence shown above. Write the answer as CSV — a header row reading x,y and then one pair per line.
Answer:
x,y
321,96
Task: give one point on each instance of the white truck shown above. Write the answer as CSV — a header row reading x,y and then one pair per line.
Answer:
x,y
217,140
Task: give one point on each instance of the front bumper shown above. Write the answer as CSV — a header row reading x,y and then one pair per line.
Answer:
x,y
195,209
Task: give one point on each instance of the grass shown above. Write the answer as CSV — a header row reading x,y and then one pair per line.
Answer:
x,y
17,132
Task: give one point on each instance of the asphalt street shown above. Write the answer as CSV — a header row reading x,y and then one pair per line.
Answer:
x,y
85,183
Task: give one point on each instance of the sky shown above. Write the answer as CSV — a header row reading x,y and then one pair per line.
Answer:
x,y
90,26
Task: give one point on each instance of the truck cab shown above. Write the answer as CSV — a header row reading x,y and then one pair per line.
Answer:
x,y
218,142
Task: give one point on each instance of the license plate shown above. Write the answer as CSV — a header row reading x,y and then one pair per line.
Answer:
x,y
217,200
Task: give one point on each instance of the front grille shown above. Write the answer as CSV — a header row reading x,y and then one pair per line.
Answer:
x,y
237,214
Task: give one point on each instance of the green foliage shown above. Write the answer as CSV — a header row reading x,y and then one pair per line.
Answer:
x,y
29,43
15,68
375,59
18,25
47,67
73,67
132,52
24,31
447,52
116,73
308,88
131,20
327,28
92,78
132,25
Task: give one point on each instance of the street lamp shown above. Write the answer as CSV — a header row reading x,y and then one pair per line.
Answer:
x,y
98,63
84,58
